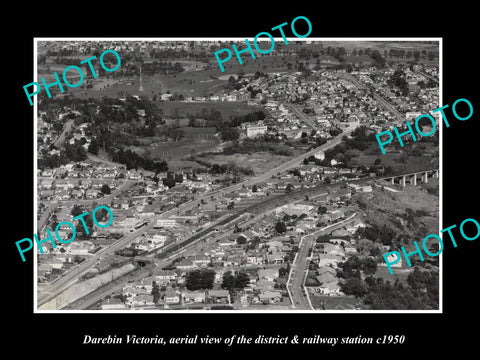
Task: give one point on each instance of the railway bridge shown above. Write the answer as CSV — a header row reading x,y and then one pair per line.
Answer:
x,y
413,178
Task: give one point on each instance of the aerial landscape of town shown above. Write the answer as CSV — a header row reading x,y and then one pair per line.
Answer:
x,y
261,188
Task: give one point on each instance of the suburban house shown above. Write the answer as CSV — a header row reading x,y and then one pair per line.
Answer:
x,y
193,297
219,296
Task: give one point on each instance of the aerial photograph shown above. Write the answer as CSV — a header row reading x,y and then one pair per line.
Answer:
x,y
260,188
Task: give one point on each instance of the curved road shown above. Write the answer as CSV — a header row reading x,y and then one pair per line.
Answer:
x,y
300,265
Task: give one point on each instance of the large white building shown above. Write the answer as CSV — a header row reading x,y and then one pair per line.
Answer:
x,y
256,130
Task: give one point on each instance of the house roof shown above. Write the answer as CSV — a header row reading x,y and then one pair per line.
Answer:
x,y
184,262
270,294
325,269
218,293
262,273
192,294
326,278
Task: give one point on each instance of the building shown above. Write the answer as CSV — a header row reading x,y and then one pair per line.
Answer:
x,y
254,130
166,222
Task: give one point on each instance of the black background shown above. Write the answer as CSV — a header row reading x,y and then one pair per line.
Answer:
x,y
62,334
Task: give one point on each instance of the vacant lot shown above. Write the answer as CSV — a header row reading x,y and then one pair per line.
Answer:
x,y
398,273
177,150
226,108
413,164
258,162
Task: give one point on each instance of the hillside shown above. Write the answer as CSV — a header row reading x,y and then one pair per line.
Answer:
x,y
404,216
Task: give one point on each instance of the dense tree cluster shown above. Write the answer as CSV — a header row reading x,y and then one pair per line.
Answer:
x,y
200,279
248,118
133,161
280,227
378,58
72,152
353,266
233,281
383,234
398,79
420,293
163,67
228,168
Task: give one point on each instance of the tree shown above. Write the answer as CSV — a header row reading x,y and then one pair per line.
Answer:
x,y
280,227
322,209
106,189
282,272
200,279
254,188
58,126
228,281
328,180
170,182
354,286
369,265
155,292
242,279
238,281
241,240
377,161
76,210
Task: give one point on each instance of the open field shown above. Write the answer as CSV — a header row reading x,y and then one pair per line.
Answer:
x,y
226,108
413,164
380,45
258,162
177,150
398,273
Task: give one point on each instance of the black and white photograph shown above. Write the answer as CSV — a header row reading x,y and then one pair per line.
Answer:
x,y
259,188
274,181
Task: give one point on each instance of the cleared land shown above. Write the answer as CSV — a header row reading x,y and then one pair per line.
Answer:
x,y
413,164
226,108
258,162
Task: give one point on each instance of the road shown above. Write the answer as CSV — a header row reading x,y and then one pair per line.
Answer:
x,y
298,269
91,299
191,249
66,129
45,215
301,115
101,201
290,164
300,265
389,107
427,76
61,284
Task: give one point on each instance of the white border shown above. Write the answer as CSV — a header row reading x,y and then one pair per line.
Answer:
x,y
291,311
